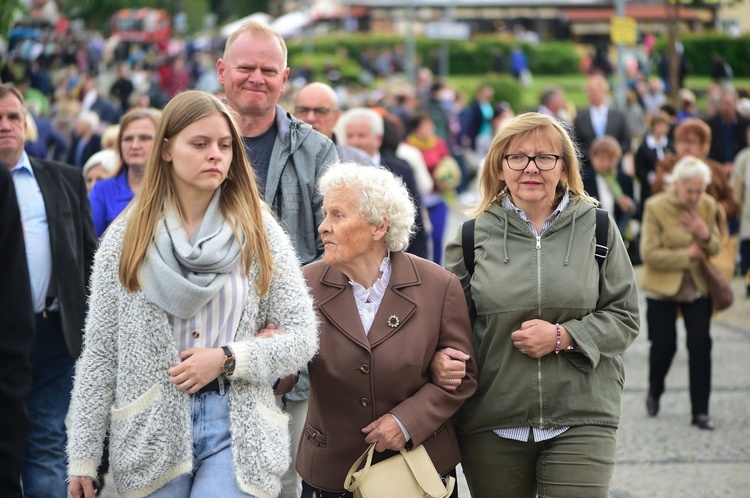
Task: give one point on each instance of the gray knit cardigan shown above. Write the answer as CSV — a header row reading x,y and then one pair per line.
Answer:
x,y
122,385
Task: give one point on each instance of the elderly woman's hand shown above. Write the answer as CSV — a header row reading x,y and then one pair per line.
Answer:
x,y
448,367
693,223
386,432
695,252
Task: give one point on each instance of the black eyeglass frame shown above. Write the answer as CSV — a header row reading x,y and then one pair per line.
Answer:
x,y
532,158
318,111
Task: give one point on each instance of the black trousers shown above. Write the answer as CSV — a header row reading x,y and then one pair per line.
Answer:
x,y
662,332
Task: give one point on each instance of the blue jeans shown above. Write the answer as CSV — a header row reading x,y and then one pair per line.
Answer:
x,y
213,472
44,468
439,218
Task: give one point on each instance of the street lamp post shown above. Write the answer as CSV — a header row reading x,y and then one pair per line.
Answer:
x,y
620,86
411,51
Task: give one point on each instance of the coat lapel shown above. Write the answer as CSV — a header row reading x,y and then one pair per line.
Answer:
x,y
47,187
340,308
338,305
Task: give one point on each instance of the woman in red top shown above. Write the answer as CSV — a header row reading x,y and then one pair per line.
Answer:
x,y
445,173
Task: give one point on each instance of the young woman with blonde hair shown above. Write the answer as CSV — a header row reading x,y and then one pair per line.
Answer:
x,y
191,285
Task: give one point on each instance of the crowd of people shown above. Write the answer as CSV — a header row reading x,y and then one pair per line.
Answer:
x,y
244,278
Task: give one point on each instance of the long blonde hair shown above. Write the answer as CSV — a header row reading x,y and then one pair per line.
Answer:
x,y
522,126
240,202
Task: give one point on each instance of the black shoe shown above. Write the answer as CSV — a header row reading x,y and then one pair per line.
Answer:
x,y
652,405
747,291
703,422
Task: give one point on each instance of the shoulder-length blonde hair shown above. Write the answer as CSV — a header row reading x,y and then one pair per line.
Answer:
x,y
540,127
240,202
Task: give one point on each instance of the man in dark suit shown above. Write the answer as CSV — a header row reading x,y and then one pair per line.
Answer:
x,y
599,119
728,131
60,243
16,336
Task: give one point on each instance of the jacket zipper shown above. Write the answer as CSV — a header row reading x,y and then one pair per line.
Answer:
x,y
539,313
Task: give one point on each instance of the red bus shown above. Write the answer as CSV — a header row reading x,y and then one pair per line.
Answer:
x,y
146,26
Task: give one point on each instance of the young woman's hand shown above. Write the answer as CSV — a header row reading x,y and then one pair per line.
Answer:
x,y
81,487
199,367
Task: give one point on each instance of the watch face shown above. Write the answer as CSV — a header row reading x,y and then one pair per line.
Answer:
x,y
229,364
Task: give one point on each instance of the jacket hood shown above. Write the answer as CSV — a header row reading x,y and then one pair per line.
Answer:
x,y
290,129
510,220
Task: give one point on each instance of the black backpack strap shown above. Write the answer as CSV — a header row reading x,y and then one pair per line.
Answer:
x,y
602,231
467,244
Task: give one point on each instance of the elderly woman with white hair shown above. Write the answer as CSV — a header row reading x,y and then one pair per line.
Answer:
x,y
86,140
383,314
679,231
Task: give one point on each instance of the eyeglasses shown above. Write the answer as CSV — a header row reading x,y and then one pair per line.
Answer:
x,y
318,111
543,162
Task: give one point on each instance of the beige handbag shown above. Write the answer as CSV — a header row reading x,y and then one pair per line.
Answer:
x,y
724,260
410,474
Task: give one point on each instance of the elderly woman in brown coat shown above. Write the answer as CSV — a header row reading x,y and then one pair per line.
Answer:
x,y
383,315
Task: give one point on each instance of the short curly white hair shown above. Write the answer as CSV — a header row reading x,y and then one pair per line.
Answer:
x,y
687,168
383,196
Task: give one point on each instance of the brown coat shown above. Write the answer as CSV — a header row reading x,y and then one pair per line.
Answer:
x,y
357,378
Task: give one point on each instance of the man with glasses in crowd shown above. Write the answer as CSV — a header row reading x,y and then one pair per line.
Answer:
x,y
318,105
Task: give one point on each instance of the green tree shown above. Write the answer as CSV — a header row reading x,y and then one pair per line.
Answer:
x,y
8,11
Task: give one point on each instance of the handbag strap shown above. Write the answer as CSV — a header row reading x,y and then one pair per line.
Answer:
x,y
349,483
448,485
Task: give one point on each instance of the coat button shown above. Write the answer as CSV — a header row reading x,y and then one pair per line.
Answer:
x,y
196,334
364,369
364,401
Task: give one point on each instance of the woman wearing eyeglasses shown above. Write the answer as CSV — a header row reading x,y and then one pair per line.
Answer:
x,y
549,328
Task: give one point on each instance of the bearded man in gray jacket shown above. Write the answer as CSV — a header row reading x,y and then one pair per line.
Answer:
x,y
288,157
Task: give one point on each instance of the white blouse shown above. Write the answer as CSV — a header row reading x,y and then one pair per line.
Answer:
x,y
368,300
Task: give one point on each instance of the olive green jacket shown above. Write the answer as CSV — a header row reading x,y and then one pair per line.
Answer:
x,y
554,277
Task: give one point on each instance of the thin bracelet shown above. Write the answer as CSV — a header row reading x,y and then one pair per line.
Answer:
x,y
557,344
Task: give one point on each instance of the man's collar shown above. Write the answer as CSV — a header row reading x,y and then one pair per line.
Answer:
x,y
24,163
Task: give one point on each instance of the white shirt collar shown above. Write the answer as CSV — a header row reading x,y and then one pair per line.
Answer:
x,y
23,163
368,300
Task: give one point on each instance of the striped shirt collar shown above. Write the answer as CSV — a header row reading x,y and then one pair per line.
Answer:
x,y
508,204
